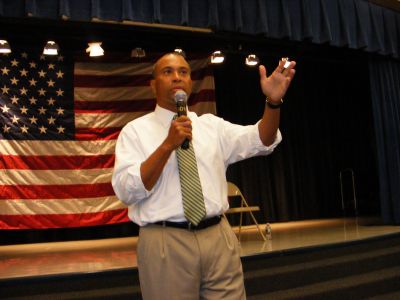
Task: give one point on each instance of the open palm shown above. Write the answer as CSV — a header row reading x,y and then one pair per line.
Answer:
x,y
275,86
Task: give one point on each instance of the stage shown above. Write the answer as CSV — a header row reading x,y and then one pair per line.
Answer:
x,y
92,256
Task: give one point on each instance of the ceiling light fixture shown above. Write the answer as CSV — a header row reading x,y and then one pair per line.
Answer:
x,y
180,51
4,47
95,49
217,57
138,52
51,48
252,60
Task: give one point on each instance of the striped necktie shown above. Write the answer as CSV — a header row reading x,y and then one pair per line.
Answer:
x,y
192,195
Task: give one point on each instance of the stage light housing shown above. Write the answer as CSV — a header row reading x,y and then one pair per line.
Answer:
x,y
217,57
138,52
252,60
51,48
4,47
180,51
95,49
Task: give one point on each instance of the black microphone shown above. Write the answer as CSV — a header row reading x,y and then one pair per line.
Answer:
x,y
181,99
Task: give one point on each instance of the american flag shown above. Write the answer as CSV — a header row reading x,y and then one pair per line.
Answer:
x,y
59,124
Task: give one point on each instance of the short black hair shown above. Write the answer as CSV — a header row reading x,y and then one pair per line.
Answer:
x,y
153,75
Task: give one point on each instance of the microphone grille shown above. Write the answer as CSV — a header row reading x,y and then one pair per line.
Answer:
x,y
180,96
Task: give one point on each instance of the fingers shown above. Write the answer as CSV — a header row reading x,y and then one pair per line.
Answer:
x,y
181,129
262,71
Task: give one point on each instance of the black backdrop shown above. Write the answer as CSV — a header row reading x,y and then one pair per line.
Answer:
x,y
327,127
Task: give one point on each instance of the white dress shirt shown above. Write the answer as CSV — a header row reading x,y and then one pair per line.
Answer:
x,y
217,144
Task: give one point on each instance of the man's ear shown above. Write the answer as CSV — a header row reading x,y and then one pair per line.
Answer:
x,y
153,86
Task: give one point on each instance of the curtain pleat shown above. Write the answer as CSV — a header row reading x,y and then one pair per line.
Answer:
x,y
213,20
31,8
156,11
307,31
286,26
344,24
262,20
128,12
385,93
361,8
237,11
390,26
322,31
185,12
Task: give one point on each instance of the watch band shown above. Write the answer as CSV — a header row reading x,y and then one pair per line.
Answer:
x,y
273,105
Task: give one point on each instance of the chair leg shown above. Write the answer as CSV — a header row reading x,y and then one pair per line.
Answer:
x,y
240,225
258,227
254,220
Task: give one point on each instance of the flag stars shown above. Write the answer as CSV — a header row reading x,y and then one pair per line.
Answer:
x,y
5,89
42,129
60,58
42,92
5,71
42,110
14,99
24,129
60,74
42,57
24,55
42,73
51,120
60,92
60,129
51,83
23,72
15,119
32,82
51,66
33,120
6,128
5,109
24,110
32,100
32,65
60,111
14,63
14,81
51,101
23,91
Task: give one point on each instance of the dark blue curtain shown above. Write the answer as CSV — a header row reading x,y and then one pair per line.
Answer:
x,y
385,94
355,24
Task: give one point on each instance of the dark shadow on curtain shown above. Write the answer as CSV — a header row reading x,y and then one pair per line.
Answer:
x,y
326,125
385,93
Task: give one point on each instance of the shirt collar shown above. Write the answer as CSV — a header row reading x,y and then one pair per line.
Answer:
x,y
165,116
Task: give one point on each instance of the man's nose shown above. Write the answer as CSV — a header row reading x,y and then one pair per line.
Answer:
x,y
176,76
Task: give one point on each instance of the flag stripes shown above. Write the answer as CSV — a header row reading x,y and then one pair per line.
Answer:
x,y
60,121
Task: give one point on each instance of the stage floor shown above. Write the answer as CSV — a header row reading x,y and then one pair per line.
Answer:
x,y
58,258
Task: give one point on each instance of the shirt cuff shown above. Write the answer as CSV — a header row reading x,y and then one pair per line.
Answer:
x,y
135,184
259,144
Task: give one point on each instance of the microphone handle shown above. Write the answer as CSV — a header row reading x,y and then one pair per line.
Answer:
x,y
182,112
185,144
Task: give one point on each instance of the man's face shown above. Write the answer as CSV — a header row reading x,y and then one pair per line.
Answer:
x,y
171,73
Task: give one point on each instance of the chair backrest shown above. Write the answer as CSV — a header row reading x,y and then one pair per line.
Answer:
x,y
233,190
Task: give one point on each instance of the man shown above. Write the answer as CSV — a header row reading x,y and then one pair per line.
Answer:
x,y
177,258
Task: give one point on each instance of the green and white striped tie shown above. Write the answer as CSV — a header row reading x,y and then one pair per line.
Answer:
x,y
192,195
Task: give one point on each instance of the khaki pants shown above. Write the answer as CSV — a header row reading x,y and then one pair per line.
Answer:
x,y
181,264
